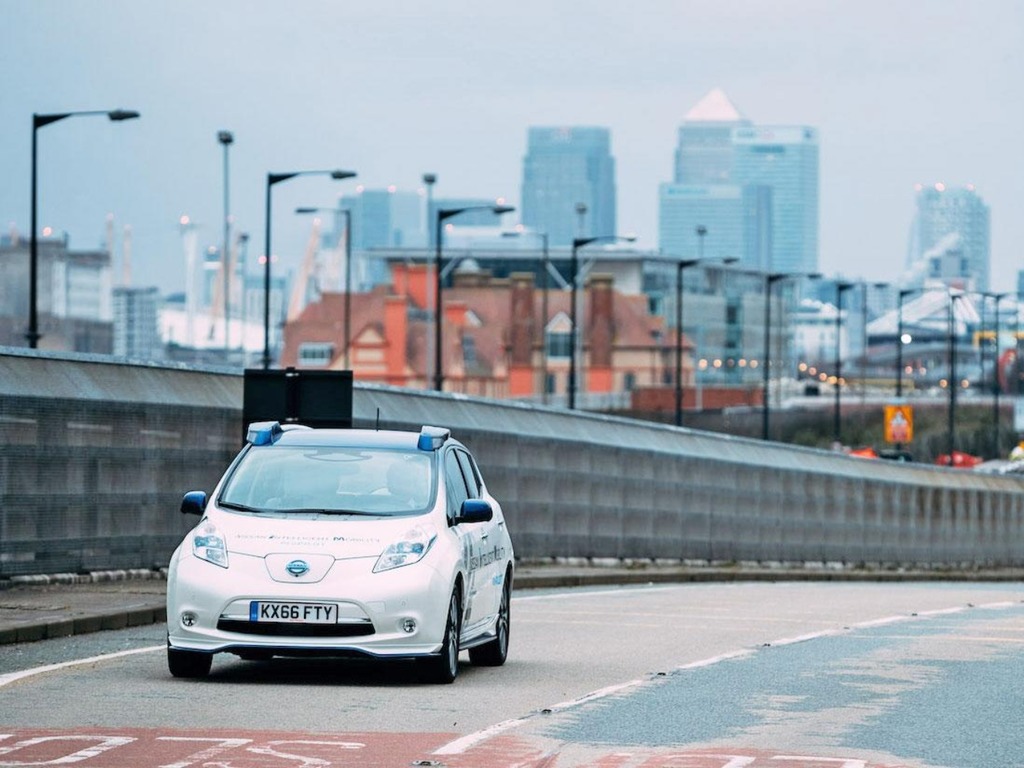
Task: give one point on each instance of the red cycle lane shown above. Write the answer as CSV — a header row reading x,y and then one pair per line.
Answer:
x,y
164,748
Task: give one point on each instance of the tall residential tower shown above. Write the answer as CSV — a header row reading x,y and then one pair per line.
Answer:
x,y
949,239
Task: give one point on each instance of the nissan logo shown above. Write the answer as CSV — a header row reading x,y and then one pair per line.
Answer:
x,y
297,568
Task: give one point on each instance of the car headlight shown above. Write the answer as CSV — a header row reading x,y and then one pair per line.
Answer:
x,y
208,545
411,548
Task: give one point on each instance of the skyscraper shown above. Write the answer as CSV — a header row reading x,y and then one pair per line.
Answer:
x,y
136,323
737,219
770,175
704,152
784,158
564,167
385,218
950,236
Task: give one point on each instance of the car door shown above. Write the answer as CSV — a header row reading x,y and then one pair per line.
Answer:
x,y
492,555
469,535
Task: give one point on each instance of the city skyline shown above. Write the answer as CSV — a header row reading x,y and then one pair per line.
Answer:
x,y
396,92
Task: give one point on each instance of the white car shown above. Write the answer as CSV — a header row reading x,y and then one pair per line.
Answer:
x,y
339,542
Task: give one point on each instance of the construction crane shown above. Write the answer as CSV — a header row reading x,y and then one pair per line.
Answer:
x,y
190,243
300,290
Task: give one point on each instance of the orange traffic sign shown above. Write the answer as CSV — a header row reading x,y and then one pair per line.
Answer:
x,y
899,424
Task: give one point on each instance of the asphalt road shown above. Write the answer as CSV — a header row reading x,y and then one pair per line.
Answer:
x,y
690,676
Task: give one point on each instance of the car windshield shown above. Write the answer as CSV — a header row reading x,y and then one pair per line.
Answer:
x,y
333,480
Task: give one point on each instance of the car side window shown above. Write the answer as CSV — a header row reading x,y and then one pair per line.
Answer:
x,y
469,472
455,484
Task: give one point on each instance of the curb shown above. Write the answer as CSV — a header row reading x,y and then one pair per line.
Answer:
x,y
93,577
155,611
48,630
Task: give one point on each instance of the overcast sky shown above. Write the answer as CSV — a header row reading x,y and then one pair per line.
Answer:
x,y
901,92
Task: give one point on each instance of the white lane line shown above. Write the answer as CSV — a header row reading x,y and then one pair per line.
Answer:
x,y
12,677
622,591
717,659
464,743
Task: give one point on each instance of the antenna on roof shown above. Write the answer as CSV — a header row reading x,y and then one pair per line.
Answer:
x,y
378,419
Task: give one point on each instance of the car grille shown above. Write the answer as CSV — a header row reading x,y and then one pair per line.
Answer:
x,y
271,629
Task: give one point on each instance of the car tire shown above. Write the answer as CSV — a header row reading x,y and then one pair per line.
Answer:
x,y
443,667
494,652
189,664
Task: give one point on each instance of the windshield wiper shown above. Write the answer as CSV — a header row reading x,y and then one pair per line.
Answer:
x,y
241,507
356,512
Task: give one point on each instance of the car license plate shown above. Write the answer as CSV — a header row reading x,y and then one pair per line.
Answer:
x,y
298,613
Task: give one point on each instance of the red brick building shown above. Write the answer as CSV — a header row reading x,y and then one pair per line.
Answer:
x,y
497,339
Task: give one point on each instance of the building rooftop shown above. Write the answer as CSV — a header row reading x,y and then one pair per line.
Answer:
x,y
714,107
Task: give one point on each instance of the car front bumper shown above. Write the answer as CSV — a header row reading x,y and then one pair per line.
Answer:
x,y
208,608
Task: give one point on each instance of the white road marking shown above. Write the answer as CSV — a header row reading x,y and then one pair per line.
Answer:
x,y
845,762
462,744
621,591
105,743
12,677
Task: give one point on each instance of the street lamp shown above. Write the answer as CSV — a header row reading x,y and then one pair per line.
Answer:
x,y
38,121
864,339
899,339
770,279
836,426
430,179
997,297
347,327
680,267
953,384
577,243
442,215
272,179
226,139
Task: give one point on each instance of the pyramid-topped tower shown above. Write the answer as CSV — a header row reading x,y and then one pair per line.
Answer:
x,y
714,107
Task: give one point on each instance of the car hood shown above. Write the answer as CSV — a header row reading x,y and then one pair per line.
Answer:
x,y
339,537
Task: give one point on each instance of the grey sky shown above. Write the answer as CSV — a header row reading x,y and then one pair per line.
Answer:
x,y
902,92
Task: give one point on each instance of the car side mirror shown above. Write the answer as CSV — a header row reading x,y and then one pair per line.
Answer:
x,y
194,503
475,511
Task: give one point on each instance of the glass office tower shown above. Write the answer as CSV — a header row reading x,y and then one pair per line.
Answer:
x,y
784,158
562,168
704,152
737,219
384,218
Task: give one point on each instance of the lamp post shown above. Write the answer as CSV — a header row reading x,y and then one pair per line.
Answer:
x,y
272,179
899,339
577,243
681,266
953,385
864,338
701,231
770,279
347,326
226,139
442,215
429,179
836,416
996,384
38,121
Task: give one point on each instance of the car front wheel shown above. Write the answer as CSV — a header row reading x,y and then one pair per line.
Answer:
x,y
444,666
188,664
494,652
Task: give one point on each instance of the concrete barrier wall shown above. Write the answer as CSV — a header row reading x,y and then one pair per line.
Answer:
x,y
95,455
